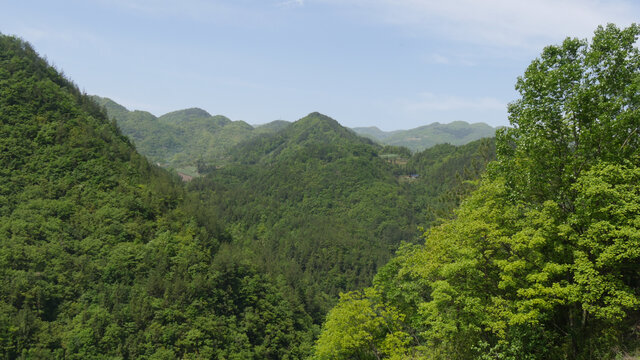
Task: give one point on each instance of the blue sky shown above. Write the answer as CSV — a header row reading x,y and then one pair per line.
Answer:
x,y
395,64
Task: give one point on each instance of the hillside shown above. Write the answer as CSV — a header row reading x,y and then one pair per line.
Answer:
x,y
423,137
316,205
100,254
180,139
272,127
115,255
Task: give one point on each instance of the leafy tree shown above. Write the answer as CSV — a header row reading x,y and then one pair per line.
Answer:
x,y
579,105
362,327
541,261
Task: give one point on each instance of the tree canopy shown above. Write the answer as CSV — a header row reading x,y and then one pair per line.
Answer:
x,y
103,255
542,260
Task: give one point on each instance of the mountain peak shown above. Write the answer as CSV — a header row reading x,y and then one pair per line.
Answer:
x,y
318,126
185,113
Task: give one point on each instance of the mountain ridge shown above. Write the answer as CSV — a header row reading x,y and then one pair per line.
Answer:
x,y
182,138
103,254
314,131
426,136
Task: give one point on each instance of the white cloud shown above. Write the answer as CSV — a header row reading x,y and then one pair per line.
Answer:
x,y
502,23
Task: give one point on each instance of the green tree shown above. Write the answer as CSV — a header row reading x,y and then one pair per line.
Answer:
x,y
579,105
363,327
542,260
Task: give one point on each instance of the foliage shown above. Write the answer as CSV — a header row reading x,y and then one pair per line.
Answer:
x,y
103,255
317,205
183,138
363,327
541,261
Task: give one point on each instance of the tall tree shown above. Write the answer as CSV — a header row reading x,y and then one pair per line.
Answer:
x,y
579,104
541,261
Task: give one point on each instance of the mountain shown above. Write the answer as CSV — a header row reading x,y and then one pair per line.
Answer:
x,y
103,255
193,114
321,207
423,137
155,139
315,131
180,139
271,127
185,138
372,132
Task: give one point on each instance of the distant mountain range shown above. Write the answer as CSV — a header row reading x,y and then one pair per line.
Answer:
x,y
180,139
424,137
323,208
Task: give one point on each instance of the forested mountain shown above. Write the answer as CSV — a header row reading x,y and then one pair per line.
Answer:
x,y
424,137
271,127
324,209
103,255
542,260
181,138
305,240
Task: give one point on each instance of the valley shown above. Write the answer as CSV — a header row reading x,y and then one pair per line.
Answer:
x,y
125,235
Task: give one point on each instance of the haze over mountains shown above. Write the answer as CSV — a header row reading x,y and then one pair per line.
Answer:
x,y
423,137
180,138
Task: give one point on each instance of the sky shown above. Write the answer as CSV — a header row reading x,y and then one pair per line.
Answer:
x,y
394,64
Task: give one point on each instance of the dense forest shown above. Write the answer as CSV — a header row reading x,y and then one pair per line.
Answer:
x,y
100,253
324,208
310,201
304,240
181,138
105,254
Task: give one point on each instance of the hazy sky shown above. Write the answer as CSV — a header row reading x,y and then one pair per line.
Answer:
x,y
395,64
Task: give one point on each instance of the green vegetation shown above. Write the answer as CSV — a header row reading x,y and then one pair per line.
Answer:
x,y
302,233
271,127
104,255
424,137
100,254
183,138
316,205
542,260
